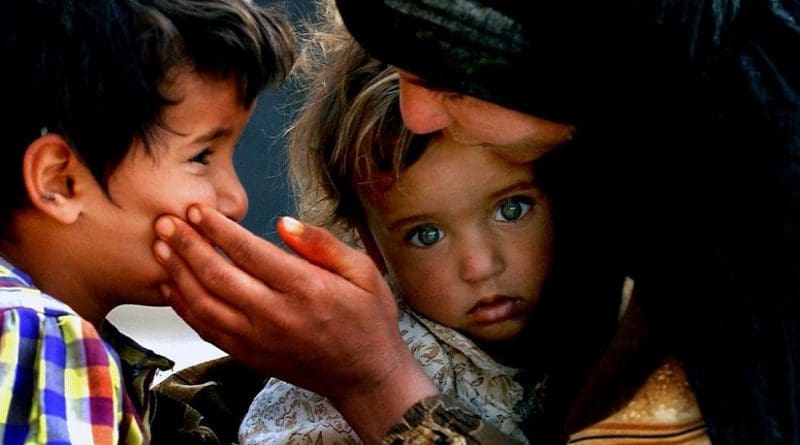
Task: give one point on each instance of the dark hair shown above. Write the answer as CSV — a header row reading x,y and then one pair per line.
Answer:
x,y
93,71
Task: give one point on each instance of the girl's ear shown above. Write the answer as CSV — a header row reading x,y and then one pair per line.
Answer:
x,y
371,247
54,178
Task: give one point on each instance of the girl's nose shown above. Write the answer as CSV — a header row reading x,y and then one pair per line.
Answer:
x,y
423,109
480,262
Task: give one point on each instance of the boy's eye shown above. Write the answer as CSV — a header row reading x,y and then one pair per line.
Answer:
x,y
202,157
512,209
426,235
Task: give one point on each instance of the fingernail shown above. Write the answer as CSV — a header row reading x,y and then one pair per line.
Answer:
x,y
292,225
165,227
165,291
162,250
193,214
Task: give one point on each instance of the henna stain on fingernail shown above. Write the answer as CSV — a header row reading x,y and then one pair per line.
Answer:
x,y
162,250
194,215
292,225
165,227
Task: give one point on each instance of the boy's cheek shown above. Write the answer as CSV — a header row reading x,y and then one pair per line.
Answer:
x,y
184,196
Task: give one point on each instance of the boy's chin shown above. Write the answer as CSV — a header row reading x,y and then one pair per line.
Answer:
x,y
151,296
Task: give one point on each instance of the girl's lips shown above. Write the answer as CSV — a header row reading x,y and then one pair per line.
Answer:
x,y
494,309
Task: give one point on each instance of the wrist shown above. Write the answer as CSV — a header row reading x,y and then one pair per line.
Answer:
x,y
373,409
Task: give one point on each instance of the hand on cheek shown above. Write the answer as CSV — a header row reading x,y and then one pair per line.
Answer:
x,y
324,320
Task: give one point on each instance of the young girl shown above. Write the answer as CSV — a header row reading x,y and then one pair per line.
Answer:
x,y
463,234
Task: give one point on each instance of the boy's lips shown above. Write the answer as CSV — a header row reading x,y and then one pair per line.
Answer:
x,y
494,309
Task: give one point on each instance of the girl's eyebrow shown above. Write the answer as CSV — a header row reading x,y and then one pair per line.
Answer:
x,y
399,225
522,185
402,223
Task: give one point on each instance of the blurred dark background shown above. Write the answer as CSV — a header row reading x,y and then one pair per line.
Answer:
x,y
261,156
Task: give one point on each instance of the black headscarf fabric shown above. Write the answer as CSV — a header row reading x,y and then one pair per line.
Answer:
x,y
550,59
689,121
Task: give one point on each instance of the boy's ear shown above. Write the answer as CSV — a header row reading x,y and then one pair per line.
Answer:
x,y
371,247
53,176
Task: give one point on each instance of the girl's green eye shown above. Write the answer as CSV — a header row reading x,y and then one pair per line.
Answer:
x,y
426,235
512,209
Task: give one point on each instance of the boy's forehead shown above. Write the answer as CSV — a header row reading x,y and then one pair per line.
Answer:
x,y
182,81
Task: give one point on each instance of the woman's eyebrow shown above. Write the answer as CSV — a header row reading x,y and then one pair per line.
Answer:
x,y
424,83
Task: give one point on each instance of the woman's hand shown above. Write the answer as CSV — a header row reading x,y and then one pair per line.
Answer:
x,y
326,320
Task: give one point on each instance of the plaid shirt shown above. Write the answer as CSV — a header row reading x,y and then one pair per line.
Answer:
x,y
60,382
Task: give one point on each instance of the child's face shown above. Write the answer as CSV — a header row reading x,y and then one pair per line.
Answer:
x,y
467,236
193,163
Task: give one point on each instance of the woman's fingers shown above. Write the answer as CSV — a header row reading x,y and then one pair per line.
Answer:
x,y
198,263
324,320
280,270
213,320
320,247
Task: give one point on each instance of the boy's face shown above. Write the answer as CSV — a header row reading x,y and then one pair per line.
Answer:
x,y
467,236
192,163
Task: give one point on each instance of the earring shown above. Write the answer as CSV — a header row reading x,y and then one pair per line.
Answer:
x,y
49,197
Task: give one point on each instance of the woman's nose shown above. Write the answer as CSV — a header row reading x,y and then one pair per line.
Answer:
x,y
423,109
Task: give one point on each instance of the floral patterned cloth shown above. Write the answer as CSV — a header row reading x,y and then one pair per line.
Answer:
x,y
286,414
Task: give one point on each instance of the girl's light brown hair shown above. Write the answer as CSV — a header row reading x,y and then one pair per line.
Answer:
x,y
348,128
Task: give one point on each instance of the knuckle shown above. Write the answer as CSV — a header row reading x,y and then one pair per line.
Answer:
x,y
331,245
363,261
241,251
173,265
214,275
315,286
322,240
182,240
206,335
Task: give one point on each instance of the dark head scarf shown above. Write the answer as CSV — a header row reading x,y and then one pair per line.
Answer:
x,y
542,58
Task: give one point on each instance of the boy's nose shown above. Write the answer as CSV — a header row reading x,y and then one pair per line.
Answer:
x,y
423,110
231,198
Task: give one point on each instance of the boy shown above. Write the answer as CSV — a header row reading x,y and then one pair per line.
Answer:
x,y
116,111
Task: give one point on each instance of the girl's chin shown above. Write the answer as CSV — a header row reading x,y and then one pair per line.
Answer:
x,y
497,332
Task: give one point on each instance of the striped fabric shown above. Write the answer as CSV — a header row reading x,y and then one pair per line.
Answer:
x,y
60,383
663,410
690,433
